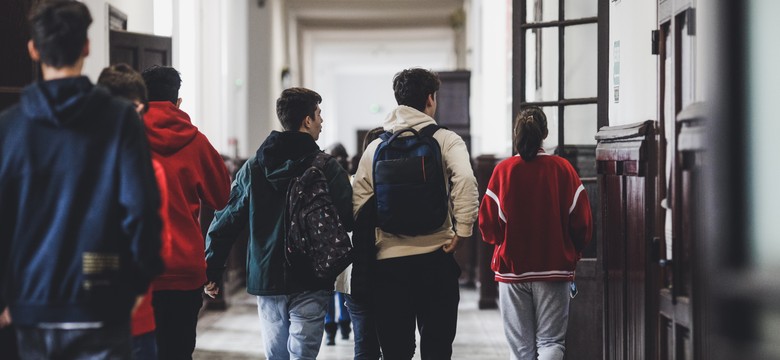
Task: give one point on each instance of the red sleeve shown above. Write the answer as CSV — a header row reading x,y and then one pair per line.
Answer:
x,y
580,217
215,188
492,221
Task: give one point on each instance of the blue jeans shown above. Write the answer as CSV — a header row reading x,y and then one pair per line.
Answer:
x,y
331,313
535,318
364,326
145,346
292,325
108,342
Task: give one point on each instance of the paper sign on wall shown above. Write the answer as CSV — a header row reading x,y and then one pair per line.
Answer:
x,y
616,71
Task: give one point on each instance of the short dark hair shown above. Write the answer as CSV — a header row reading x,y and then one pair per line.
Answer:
x,y
529,132
122,80
294,105
412,87
162,83
58,29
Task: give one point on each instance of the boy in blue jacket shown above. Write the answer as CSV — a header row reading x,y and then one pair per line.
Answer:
x,y
79,202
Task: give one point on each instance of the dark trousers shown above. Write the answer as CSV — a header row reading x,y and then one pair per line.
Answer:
x,y
8,347
419,290
111,342
176,315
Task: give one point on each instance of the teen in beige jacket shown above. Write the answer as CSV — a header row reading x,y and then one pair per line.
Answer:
x,y
415,280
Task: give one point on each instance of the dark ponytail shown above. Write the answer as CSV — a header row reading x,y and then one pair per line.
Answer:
x,y
530,130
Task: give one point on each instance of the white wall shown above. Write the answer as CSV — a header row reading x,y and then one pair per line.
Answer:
x,y
140,18
631,23
263,83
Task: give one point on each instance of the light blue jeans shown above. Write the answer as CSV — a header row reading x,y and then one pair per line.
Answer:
x,y
535,318
292,325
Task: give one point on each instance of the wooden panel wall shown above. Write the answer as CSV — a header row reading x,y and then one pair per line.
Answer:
x,y
626,164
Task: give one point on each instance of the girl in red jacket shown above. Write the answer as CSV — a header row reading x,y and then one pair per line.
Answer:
x,y
537,214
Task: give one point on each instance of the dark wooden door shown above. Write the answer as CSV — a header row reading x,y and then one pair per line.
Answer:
x,y
453,103
140,51
453,112
678,298
16,68
626,163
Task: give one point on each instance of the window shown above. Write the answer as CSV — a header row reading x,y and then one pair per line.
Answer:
x,y
558,68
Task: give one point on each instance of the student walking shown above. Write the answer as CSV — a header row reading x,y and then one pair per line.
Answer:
x,y
79,202
536,213
417,194
195,175
291,302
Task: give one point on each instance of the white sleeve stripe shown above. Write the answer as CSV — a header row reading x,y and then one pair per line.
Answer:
x,y
493,196
576,196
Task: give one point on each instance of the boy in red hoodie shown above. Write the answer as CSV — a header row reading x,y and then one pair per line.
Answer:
x,y
121,80
195,174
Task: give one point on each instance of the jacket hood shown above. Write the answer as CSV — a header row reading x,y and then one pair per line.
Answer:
x,y
284,155
61,101
404,116
168,128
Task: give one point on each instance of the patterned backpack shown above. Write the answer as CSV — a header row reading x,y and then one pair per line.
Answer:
x,y
316,242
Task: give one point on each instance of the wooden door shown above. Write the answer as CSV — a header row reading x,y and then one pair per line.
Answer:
x,y
453,112
140,51
17,70
677,315
626,162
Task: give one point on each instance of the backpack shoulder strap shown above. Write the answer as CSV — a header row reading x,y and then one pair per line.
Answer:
x,y
320,160
430,130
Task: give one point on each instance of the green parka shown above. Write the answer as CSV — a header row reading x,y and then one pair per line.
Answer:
x,y
257,198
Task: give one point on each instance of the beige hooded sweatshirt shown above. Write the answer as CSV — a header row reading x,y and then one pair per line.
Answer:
x,y
464,202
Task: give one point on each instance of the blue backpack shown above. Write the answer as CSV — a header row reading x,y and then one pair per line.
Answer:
x,y
411,192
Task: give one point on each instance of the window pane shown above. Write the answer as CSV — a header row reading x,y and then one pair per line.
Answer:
x,y
551,143
541,67
581,63
578,9
580,124
541,10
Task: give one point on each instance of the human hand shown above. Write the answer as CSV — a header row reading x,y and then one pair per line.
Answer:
x,y
211,289
138,300
5,318
452,245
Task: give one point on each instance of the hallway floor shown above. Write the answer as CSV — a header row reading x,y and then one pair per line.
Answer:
x,y
235,334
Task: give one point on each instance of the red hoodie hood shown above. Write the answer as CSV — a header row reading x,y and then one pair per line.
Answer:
x,y
168,128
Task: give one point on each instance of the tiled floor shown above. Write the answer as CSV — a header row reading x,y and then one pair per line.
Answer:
x,y
235,334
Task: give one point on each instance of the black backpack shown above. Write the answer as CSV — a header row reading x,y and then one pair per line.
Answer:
x,y
411,192
316,242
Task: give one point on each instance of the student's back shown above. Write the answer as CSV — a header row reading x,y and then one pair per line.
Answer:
x,y
79,202
67,179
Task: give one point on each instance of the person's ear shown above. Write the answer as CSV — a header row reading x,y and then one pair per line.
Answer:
x,y
430,101
34,54
178,103
544,135
85,50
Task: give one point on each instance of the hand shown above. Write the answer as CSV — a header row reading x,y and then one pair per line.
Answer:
x,y
452,245
138,300
211,289
5,318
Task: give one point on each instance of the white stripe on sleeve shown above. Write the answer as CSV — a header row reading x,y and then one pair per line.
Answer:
x,y
576,196
493,196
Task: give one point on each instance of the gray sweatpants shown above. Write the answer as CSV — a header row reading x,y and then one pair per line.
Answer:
x,y
535,318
